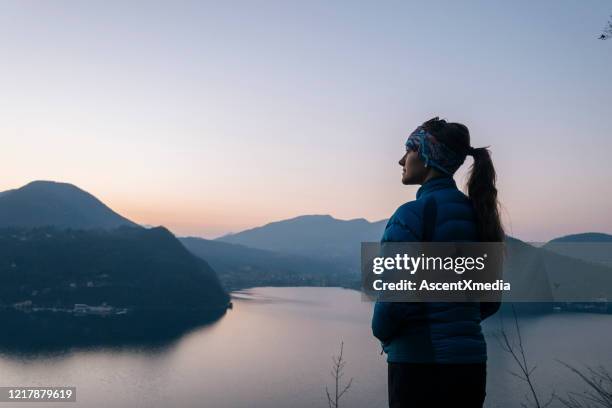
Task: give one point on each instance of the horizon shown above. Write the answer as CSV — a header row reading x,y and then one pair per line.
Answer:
x,y
208,118
154,225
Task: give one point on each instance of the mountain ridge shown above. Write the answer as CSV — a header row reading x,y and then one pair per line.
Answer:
x,y
319,235
584,237
63,205
240,266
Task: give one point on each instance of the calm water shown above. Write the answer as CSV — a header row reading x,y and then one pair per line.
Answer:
x,y
274,350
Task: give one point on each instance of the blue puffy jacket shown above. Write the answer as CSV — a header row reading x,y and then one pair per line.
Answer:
x,y
433,332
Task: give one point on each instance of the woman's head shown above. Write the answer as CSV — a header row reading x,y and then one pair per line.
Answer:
x,y
438,148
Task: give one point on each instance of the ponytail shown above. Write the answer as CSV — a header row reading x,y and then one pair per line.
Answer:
x,y
483,194
481,184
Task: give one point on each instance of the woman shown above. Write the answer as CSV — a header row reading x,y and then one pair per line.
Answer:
x,y
436,352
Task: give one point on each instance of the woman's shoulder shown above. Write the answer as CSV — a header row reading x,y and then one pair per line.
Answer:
x,y
450,195
453,210
409,212
455,216
406,222
452,202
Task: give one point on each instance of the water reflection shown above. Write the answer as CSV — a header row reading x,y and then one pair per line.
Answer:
x,y
274,350
46,332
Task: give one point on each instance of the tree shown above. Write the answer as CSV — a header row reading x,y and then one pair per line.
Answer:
x,y
607,31
337,372
525,374
598,393
599,380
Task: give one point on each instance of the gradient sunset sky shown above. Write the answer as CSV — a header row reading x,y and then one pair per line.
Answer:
x,y
212,117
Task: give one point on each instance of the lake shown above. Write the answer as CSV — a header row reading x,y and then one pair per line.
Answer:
x,y
274,349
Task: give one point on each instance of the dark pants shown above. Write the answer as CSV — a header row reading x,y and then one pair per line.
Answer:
x,y
437,385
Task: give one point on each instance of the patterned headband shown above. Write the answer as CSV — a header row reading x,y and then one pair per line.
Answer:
x,y
434,153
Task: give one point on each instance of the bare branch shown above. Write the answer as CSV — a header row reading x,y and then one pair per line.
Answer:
x,y
599,392
337,373
329,399
519,355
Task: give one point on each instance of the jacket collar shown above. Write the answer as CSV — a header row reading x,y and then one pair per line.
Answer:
x,y
434,184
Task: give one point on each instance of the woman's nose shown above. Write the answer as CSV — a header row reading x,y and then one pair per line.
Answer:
x,y
402,161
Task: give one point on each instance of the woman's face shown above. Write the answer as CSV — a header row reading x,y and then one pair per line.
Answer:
x,y
413,168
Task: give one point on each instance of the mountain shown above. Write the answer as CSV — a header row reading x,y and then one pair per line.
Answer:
x,y
584,237
315,236
68,263
525,268
63,205
134,268
542,277
590,246
239,266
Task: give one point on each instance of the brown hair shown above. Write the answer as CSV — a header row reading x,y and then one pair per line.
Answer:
x,y
481,183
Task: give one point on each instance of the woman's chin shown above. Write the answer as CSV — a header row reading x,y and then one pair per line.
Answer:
x,y
408,180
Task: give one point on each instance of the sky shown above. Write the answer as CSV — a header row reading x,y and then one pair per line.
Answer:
x,y
214,117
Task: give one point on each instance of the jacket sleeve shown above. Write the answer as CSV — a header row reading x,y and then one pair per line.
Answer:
x,y
383,327
402,231
390,317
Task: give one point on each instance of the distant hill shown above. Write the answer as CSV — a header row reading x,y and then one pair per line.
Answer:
x,y
584,237
62,205
239,266
590,246
316,236
136,268
552,279
536,273
75,273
